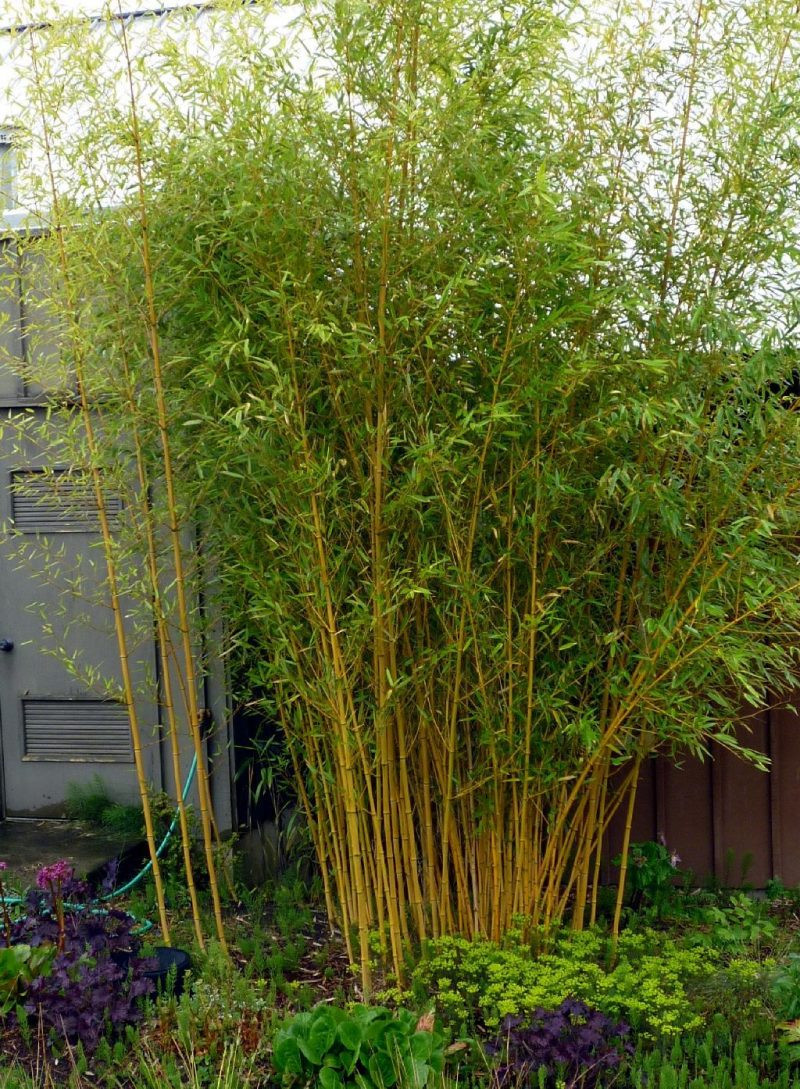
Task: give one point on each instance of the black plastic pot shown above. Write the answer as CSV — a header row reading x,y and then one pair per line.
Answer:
x,y
175,962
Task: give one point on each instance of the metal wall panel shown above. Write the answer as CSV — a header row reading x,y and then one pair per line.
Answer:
x,y
10,322
59,659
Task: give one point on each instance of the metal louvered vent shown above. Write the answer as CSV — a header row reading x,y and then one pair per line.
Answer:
x,y
76,730
57,501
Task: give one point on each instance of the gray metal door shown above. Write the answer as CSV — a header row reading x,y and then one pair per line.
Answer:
x,y
59,722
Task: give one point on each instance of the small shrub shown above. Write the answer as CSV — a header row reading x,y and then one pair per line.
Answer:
x,y
91,977
740,924
652,870
570,1046
219,1006
90,802
365,1047
737,990
87,801
474,982
123,821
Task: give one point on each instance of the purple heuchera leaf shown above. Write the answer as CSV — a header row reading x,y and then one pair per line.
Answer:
x,y
574,1043
109,882
96,982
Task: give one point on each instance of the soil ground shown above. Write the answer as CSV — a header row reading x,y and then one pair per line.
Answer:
x,y
28,845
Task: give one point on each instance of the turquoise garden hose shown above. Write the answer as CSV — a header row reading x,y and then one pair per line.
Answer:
x,y
134,881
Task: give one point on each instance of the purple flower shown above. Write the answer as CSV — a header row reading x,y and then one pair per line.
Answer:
x,y
54,874
3,866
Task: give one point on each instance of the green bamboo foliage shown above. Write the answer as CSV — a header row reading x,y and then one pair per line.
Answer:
x,y
474,324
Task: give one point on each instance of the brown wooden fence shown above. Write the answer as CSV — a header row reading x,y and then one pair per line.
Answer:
x,y
722,816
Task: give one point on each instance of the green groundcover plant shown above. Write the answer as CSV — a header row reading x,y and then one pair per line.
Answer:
x,y
716,1060
481,982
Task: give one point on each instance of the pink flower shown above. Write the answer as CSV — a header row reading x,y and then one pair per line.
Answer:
x,y
3,866
54,874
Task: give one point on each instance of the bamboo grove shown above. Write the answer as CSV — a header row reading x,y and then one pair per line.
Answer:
x,y
476,329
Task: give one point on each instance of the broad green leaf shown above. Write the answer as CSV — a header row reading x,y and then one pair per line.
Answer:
x,y
286,1055
329,1078
351,1033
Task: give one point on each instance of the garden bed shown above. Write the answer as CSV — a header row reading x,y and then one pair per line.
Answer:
x,y
702,991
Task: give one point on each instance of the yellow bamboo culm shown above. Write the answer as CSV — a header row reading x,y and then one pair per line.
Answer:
x,y
58,227
626,843
180,577
165,650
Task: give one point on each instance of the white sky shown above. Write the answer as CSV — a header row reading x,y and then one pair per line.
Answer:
x,y
14,12
204,35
